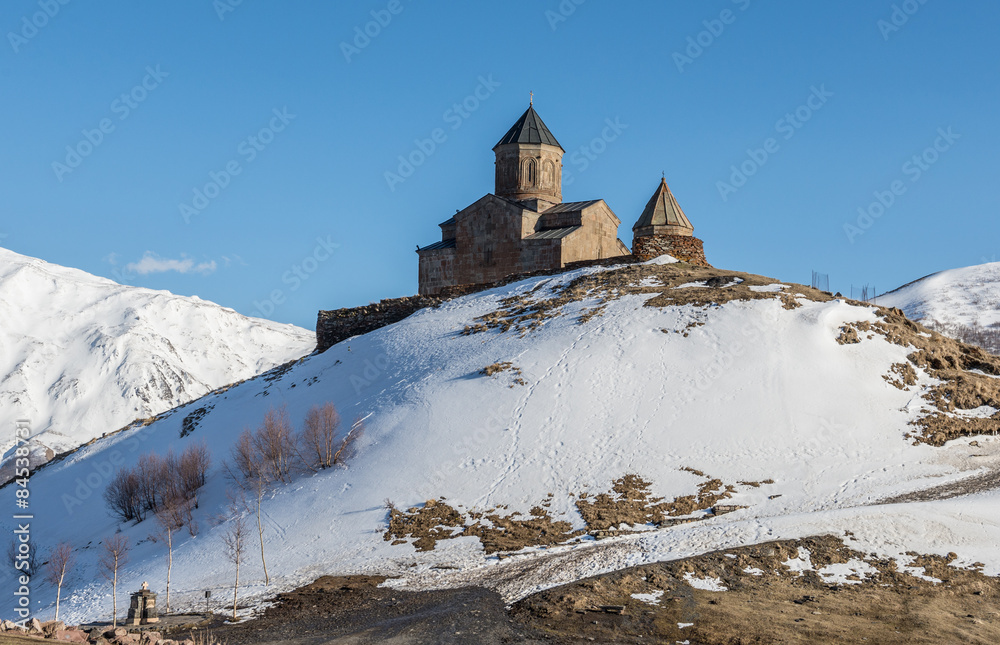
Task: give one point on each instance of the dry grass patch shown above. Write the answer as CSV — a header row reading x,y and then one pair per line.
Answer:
x,y
503,366
526,312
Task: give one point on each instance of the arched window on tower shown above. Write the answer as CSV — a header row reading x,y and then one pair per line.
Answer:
x,y
531,173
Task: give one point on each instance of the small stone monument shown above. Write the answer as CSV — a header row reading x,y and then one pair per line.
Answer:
x,y
142,610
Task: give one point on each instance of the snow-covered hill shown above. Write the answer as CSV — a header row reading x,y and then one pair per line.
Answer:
x,y
969,296
791,408
82,355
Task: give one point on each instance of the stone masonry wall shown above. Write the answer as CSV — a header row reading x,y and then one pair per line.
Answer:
x,y
683,247
337,325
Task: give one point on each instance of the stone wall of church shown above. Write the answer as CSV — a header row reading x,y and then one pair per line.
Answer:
x,y
683,247
436,270
597,240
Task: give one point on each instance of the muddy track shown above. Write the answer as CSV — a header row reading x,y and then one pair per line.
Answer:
x,y
968,486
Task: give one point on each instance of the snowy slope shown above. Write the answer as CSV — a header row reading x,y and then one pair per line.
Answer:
x,y
968,296
81,355
744,391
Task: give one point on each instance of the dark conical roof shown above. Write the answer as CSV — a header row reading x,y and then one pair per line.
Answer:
x,y
663,210
529,129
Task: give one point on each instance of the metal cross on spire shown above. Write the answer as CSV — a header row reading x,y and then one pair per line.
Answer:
x,y
531,98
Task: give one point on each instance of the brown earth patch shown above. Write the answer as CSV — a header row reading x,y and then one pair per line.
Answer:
x,y
526,312
629,503
901,375
888,605
947,360
426,525
437,520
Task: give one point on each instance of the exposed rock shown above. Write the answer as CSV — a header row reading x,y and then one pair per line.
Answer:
x,y
150,638
69,636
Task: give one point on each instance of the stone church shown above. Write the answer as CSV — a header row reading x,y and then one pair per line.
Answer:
x,y
525,226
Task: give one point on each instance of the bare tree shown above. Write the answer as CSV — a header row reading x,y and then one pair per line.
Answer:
x,y
318,436
192,469
154,480
60,562
123,496
234,540
115,556
171,517
274,443
244,461
256,487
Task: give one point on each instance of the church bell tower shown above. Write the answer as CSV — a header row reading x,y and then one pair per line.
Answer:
x,y
529,161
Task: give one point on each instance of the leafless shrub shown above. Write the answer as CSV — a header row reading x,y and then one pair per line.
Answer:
x,y
192,470
152,474
155,482
274,443
244,463
123,496
60,562
319,435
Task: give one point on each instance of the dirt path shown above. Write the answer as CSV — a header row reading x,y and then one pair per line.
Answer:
x,y
355,610
968,486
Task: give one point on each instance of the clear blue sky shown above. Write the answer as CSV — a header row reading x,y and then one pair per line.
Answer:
x,y
869,96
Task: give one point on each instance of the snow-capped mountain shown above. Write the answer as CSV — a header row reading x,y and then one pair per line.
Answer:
x,y
81,355
969,296
560,398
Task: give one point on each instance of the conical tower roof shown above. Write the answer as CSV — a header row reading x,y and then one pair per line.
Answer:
x,y
663,214
529,129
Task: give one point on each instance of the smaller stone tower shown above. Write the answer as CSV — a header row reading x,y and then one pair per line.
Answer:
x,y
664,229
529,162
